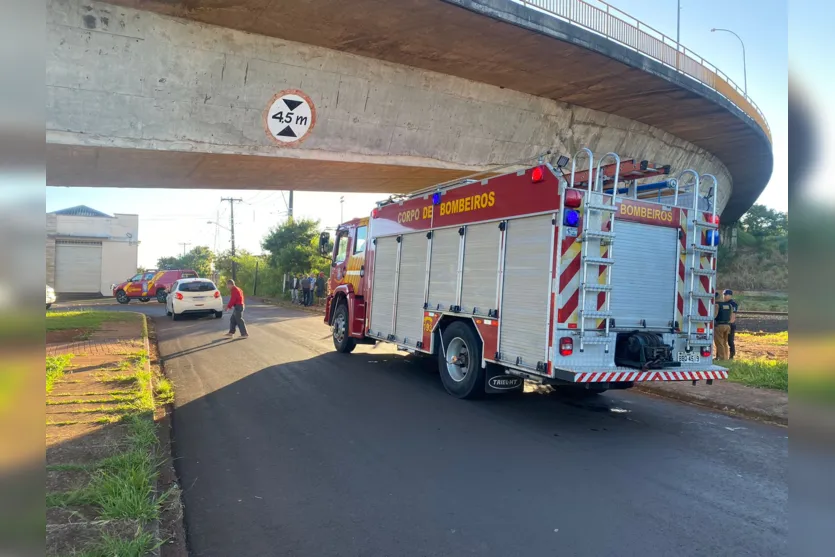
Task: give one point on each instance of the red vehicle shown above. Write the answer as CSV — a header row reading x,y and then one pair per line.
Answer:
x,y
150,284
541,274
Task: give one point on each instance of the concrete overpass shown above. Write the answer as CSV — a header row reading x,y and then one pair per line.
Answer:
x,y
406,93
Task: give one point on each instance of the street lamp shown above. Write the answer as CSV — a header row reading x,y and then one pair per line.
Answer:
x,y
744,64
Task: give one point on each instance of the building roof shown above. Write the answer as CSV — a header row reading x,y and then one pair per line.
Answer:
x,y
81,211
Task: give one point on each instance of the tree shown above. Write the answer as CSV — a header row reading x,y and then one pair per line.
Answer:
x,y
198,259
762,222
293,247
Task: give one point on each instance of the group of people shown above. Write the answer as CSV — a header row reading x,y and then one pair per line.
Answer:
x,y
724,324
305,289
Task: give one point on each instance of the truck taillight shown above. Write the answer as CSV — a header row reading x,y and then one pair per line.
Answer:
x,y
537,175
705,351
217,294
713,219
179,295
566,346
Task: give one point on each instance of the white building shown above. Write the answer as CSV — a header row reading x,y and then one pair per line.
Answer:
x,y
87,250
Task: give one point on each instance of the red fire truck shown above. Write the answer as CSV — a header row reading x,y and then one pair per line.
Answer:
x,y
577,278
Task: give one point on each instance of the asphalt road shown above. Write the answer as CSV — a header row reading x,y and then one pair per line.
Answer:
x,y
284,447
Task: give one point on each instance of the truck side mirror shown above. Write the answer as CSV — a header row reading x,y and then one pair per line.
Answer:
x,y
324,242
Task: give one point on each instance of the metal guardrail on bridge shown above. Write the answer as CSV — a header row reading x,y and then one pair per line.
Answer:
x,y
614,24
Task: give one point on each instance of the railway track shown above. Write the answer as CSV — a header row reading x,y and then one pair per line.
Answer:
x,y
775,314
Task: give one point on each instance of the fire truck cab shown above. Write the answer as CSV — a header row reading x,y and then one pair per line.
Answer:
x,y
539,273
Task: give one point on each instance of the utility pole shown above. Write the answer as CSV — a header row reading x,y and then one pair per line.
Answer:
x,y
290,207
678,25
341,205
232,201
184,244
678,35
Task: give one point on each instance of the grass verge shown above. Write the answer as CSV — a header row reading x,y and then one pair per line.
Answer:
x,y
122,486
84,319
55,366
139,546
767,374
762,302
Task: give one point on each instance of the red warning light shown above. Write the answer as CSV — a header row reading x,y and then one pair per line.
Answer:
x,y
374,213
537,175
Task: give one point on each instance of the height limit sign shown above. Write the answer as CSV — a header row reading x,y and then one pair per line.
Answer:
x,y
290,117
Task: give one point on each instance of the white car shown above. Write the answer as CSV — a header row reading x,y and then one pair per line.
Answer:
x,y
50,296
194,296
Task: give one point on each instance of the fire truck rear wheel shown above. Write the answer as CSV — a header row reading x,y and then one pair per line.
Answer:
x,y
459,361
341,340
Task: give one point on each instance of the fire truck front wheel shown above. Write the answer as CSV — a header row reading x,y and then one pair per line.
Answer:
x,y
341,339
459,361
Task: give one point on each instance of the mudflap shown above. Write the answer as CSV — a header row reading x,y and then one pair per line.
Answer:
x,y
497,382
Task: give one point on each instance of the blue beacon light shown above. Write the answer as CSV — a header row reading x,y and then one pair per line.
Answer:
x,y
436,198
571,218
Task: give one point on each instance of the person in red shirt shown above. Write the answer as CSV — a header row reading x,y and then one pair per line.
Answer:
x,y
236,305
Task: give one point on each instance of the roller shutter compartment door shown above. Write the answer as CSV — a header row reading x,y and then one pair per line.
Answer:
x,y
410,291
481,268
443,272
77,266
525,295
643,276
382,295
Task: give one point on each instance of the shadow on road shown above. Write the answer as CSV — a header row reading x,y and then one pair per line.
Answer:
x,y
326,453
192,350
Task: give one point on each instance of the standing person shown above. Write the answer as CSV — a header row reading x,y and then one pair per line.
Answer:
x,y
320,286
724,316
294,289
305,289
236,304
312,280
729,297
288,285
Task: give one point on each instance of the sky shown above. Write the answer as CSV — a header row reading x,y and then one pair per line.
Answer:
x,y
184,215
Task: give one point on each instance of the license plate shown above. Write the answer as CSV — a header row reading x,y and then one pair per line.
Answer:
x,y
689,357
198,305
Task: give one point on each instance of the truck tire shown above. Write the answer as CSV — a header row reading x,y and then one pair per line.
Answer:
x,y
122,297
161,295
459,360
341,340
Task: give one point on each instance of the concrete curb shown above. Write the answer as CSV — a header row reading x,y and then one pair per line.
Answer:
x,y
155,526
737,410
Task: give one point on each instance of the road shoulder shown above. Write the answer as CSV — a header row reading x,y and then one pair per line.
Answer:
x,y
732,398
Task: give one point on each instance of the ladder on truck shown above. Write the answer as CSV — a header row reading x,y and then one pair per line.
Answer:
x,y
697,250
621,171
596,237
